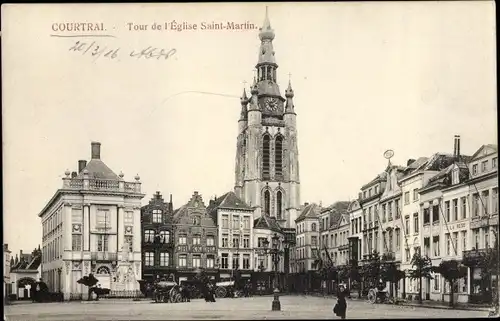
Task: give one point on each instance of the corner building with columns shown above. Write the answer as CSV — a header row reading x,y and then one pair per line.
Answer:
x,y
92,225
267,164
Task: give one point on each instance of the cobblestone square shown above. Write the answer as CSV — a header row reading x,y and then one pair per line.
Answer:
x,y
255,308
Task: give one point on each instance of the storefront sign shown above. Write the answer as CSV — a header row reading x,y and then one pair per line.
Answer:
x,y
457,226
479,223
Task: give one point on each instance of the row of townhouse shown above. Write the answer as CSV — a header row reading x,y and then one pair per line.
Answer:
x,y
444,206
95,224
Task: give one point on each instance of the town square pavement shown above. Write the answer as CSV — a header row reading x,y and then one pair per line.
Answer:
x,y
292,307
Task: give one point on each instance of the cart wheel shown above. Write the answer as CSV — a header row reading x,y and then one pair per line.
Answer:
x,y
220,292
372,296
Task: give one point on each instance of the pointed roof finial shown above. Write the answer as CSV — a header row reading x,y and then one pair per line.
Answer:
x,y
266,32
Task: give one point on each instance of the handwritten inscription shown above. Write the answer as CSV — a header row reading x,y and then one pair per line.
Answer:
x,y
98,51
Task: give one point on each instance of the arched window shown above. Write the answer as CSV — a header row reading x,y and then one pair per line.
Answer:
x,y
267,202
266,157
279,207
278,156
103,270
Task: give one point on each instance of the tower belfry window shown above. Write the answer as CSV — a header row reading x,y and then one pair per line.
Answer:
x,y
267,202
278,161
266,150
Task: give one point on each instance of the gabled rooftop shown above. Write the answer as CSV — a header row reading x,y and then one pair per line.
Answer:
x,y
267,222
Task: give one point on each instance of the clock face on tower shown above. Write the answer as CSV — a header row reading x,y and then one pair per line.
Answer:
x,y
271,104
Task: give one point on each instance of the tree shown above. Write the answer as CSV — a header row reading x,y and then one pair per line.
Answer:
x,y
451,271
390,273
422,268
371,270
89,281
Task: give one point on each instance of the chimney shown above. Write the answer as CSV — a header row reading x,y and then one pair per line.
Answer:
x,y
457,142
305,204
96,150
74,174
410,161
81,165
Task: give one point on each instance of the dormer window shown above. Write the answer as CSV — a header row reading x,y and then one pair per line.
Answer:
x,y
484,166
474,169
494,162
455,179
376,189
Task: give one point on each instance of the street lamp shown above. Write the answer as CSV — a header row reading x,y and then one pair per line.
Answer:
x,y
275,256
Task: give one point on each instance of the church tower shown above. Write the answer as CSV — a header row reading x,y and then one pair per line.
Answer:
x,y
267,158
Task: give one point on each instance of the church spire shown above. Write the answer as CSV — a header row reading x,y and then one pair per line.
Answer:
x,y
244,102
289,108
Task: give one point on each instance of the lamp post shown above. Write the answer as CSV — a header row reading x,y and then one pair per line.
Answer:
x,y
275,256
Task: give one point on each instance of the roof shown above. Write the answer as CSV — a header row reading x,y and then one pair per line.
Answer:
x,y
227,201
488,149
29,261
309,211
444,176
196,201
337,210
97,169
379,178
267,222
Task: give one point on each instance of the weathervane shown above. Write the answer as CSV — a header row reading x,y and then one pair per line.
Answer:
x,y
388,154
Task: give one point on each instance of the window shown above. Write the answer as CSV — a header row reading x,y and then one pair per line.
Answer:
x,y
279,207
236,241
370,192
448,244
130,242
149,236
313,227
164,259
435,245
225,240
474,169
76,242
102,243
398,209
389,207
246,261
464,240
261,240
476,238
314,240
383,212
464,207
149,258
225,221
455,209
364,194
415,222
267,202
164,236
435,213
475,205
182,240
196,261
246,222
391,245
415,195
278,156
484,166
447,210
157,214
407,225
210,262
407,255
494,201
129,218
376,189
196,220
437,280
196,240
486,238
236,261
455,243
246,241
266,157
103,219
407,198
486,198
210,241
376,242
494,163
182,260
236,222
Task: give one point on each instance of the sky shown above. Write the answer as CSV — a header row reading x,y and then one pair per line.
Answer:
x,y
367,77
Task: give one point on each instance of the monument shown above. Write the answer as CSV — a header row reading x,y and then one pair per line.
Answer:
x,y
124,279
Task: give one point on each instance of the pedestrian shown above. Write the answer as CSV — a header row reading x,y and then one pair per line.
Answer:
x,y
211,293
340,307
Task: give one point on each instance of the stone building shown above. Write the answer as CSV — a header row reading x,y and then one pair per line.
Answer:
x,y
267,164
195,237
92,225
25,270
157,238
7,287
234,221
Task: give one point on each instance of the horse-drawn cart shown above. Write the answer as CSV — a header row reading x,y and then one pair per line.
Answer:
x,y
377,296
167,291
226,288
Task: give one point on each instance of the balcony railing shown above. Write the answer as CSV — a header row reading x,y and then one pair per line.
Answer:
x,y
103,256
94,184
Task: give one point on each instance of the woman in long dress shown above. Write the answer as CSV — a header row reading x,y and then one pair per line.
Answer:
x,y
340,308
